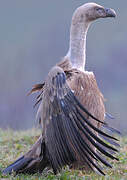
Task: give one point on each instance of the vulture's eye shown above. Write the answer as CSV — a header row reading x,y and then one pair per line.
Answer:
x,y
99,9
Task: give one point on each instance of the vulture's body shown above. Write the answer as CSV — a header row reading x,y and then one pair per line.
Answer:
x,y
71,109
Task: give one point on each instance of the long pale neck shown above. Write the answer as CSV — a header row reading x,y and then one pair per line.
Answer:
x,y
77,49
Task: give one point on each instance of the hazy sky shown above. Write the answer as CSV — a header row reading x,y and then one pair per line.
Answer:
x,y
34,35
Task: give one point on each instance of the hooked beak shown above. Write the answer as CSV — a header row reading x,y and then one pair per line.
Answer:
x,y
110,12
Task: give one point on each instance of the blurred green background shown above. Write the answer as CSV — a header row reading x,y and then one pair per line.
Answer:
x,y
34,35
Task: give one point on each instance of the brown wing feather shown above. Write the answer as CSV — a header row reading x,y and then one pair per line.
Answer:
x,y
36,88
85,88
70,131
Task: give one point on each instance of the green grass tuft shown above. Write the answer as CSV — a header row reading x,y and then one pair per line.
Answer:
x,y
14,143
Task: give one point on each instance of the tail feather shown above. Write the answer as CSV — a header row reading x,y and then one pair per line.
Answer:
x,y
18,165
33,161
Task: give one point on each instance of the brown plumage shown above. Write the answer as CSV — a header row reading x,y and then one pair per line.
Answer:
x,y
71,110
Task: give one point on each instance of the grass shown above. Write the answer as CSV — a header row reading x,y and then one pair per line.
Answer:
x,y
13,144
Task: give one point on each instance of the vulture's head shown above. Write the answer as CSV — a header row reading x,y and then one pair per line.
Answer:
x,y
90,12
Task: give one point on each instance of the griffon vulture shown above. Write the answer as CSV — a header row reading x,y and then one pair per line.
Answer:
x,y
71,110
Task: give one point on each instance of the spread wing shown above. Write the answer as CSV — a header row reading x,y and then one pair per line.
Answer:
x,y
64,126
